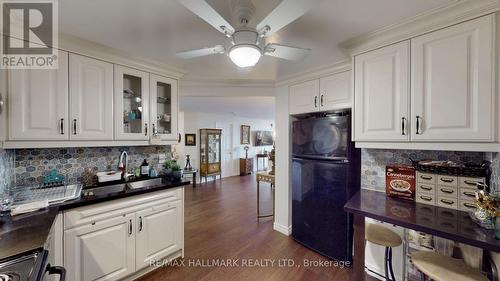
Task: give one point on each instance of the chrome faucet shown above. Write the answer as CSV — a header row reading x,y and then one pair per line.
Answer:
x,y
123,163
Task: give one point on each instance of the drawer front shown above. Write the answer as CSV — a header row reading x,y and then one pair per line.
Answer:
x,y
447,202
426,178
470,182
468,194
467,205
213,168
447,180
447,191
119,207
426,188
426,199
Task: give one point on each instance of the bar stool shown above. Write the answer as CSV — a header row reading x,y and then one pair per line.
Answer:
x,y
443,268
383,236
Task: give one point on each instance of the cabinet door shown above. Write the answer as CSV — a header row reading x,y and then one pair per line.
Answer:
x,y
304,97
159,232
131,104
452,83
335,91
91,98
104,250
164,107
39,103
381,94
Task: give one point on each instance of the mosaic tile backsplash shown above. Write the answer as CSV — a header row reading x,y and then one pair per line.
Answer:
x,y
6,169
32,165
373,162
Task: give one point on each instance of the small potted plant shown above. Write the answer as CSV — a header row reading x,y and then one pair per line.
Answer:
x,y
167,165
176,171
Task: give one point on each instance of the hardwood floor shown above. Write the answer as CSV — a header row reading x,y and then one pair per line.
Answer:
x,y
221,224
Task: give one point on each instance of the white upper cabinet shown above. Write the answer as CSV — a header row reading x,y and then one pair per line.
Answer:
x,y
164,108
304,97
38,102
131,104
159,232
335,91
91,98
452,83
381,94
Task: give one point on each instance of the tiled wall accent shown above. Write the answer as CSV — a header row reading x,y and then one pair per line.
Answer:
x,y
495,172
31,165
373,162
6,169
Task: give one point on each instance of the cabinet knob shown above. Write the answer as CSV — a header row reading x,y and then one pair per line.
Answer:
x,y
403,130
321,100
74,127
61,126
417,131
316,101
2,103
145,129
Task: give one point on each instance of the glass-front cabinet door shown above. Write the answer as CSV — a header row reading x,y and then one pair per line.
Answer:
x,y
131,104
164,108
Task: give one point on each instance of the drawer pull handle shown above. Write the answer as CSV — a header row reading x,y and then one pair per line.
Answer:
x,y
447,180
469,194
403,131
469,205
130,227
426,188
418,126
140,223
426,198
447,191
426,177
475,183
448,202
61,126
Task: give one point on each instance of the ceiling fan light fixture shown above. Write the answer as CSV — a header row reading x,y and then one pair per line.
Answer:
x,y
245,55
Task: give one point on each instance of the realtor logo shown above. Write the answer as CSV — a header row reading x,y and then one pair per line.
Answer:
x,y
29,33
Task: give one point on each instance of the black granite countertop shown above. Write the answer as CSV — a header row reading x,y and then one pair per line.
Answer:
x,y
26,232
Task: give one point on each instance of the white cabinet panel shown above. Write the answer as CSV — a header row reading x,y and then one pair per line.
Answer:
x,y
304,97
91,98
131,104
164,108
158,232
382,94
335,91
452,83
39,103
104,250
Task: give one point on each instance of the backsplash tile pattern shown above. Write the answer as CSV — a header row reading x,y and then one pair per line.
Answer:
x,y
373,162
495,172
6,169
32,165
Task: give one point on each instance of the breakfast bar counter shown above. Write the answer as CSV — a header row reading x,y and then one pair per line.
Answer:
x,y
443,222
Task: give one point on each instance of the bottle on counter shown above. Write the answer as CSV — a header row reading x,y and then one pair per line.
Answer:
x,y
145,168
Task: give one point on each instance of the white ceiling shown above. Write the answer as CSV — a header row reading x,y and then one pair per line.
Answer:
x,y
157,29
249,107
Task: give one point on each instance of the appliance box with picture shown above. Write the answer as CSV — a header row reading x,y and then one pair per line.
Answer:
x,y
400,181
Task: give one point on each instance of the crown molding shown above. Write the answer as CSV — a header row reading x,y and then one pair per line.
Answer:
x,y
431,20
226,83
88,48
315,73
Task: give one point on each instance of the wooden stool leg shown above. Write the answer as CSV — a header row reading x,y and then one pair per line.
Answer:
x,y
258,196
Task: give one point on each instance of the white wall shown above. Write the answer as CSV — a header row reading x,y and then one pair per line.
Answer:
x,y
283,200
194,121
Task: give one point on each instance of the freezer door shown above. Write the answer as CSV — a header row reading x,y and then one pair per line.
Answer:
x,y
326,137
319,191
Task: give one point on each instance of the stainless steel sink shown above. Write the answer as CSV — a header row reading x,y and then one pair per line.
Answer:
x,y
144,183
102,190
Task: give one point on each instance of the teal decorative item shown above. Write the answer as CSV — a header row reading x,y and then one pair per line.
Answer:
x,y
131,115
53,179
497,228
152,172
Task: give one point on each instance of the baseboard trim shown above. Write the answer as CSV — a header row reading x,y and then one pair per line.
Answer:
x,y
287,230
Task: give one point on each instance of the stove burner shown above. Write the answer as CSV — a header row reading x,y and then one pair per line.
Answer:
x,y
9,276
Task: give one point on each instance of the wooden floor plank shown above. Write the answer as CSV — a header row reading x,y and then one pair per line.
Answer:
x,y
221,223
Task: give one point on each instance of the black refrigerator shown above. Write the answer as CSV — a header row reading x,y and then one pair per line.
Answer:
x,y
325,175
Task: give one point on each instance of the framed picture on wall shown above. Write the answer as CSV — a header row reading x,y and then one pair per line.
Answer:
x,y
245,134
190,139
263,138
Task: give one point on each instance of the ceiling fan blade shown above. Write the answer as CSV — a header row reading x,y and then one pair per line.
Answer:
x,y
202,9
201,52
286,12
285,52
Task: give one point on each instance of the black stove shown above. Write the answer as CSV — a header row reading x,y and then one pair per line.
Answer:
x,y
29,266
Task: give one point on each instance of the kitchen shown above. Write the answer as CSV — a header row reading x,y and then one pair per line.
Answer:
x,y
419,89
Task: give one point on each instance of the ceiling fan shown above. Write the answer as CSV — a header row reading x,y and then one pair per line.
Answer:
x,y
246,44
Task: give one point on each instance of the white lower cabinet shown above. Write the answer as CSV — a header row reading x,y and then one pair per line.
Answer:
x,y
103,250
115,240
156,238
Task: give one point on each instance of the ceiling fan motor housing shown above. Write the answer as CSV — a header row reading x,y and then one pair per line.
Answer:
x,y
250,37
